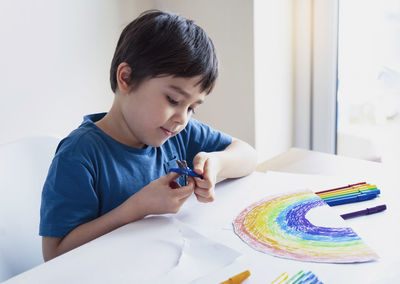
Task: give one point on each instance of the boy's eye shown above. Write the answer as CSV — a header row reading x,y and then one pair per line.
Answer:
x,y
171,101
174,102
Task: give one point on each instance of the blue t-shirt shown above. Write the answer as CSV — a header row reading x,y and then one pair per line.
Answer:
x,y
92,173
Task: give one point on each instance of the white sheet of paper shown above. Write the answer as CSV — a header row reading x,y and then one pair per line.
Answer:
x,y
200,256
157,249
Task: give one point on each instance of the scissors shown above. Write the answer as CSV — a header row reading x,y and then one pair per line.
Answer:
x,y
184,170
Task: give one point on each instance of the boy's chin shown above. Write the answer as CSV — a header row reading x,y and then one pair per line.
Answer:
x,y
157,143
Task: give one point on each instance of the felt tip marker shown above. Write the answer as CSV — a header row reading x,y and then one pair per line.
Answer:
x,y
360,189
237,279
281,278
328,198
338,188
367,211
345,200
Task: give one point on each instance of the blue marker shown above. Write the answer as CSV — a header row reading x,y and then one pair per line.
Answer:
x,y
308,276
375,191
351,199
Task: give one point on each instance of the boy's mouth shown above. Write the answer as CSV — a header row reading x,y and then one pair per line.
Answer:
x,y
167,132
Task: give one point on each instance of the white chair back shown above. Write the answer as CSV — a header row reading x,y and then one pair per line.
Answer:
x,y
23,169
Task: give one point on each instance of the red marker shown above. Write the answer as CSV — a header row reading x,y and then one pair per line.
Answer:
x,y
338,188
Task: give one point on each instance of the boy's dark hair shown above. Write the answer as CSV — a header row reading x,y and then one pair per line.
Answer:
x,y
160,43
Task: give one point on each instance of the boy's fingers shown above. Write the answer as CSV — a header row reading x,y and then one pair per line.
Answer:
x,y
198,163
168,178
183,198
190,181
190,185
185,191
204,192
204,199
204,183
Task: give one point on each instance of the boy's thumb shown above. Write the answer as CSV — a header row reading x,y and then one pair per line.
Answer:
x,y
198,163
170,177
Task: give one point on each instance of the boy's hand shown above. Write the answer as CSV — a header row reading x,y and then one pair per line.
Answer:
x,y
163,195
206,165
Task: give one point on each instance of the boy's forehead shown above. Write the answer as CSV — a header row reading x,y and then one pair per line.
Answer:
x,y
185,86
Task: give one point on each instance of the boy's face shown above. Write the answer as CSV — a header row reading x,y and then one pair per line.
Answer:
x,y
159,109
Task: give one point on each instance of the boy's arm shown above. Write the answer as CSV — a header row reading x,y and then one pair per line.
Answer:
x,y
237,160
158,197
87,232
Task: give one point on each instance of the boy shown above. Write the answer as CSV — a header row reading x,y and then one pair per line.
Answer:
x,y
113,169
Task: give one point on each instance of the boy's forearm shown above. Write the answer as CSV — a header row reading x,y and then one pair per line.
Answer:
x,y
89,231
237,160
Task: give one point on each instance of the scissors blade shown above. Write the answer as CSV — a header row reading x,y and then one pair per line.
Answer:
x,y
180,164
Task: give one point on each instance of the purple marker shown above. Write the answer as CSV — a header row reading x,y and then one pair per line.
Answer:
x,y
367,211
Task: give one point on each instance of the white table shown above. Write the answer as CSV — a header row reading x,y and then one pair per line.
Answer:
x,y
380,231
114,257
301,161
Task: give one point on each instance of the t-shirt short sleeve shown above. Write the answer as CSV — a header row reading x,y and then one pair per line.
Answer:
x,y
203,138
68,197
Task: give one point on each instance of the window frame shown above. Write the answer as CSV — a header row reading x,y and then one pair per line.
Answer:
x,y
315,80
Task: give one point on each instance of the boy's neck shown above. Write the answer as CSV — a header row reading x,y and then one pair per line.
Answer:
x,y
113,124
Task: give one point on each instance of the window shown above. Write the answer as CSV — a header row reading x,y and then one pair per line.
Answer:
x,y
368,95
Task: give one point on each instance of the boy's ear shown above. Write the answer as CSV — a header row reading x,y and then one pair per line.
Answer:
x,y
123,77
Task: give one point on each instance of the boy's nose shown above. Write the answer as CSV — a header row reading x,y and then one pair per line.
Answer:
x,y
181,117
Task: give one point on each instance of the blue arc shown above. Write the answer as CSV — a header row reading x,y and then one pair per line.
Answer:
x,y
292,221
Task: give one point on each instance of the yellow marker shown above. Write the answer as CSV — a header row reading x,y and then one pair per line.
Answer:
x,y
237,279
354,189
281,278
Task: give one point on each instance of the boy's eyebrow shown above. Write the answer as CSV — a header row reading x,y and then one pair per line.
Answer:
x,y
183,92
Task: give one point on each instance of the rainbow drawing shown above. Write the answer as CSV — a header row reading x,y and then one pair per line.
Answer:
x,y
277,225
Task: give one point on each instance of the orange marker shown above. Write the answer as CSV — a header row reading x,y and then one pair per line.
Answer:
x,y
237,279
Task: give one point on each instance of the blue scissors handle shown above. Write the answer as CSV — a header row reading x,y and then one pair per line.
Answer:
x,y
183,171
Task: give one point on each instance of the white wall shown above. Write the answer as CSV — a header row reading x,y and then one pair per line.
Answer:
x,y
55,58
273,37
253,98
54,62
230,107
